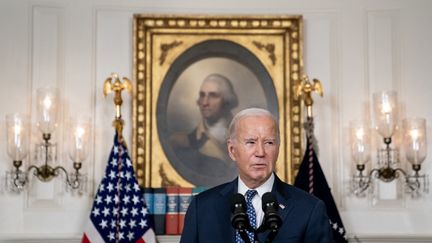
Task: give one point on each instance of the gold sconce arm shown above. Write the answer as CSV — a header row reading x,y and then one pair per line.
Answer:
x,y
45,172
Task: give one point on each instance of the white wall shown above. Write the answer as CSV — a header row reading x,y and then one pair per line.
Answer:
x,y
354,47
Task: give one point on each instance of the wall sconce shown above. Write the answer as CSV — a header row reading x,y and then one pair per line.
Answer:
x,y
387,167
18,144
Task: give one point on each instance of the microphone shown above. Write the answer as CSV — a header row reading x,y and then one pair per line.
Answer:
x,y
272,220
239,218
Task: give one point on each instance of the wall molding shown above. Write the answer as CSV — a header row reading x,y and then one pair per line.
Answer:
x,y
47,69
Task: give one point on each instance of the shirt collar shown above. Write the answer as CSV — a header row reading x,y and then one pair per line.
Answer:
x,y
265,187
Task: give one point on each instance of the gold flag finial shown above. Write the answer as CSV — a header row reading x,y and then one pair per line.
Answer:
x,y
304,91
113,84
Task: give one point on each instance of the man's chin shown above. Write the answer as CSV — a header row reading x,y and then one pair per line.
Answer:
x,y
260,175
205,114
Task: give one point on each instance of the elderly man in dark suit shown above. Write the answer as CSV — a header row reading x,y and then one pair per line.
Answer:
x,y
254,146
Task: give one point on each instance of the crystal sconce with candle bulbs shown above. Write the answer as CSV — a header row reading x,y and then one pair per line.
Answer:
x,y
45,155
387,166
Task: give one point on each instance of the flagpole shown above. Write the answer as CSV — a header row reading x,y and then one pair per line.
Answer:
x,y
113,84
119,212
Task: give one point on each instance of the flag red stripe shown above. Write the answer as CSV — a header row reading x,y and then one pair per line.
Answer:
x,y
85,239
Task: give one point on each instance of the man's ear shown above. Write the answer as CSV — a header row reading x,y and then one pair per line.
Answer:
x,y
231,149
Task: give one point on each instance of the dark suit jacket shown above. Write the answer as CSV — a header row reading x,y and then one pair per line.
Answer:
x,y
304,217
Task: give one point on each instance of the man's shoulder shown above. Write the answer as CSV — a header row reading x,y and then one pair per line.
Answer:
x,y
216,194
297,194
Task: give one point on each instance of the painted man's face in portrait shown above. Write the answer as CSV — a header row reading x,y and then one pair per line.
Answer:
x,y
210,101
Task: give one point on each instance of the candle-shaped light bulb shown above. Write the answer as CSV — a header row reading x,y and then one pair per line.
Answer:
x,y
47,103
386,107
360,142
18,136
415,140
414,133
17,128
385,112
47,109
360,133
78,142
79,133
414,137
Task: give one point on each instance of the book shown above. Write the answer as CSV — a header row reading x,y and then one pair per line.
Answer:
x,y
149,201
148,198
172,213
159,210
185,197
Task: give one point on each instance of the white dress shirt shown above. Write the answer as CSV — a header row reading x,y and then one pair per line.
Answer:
x,y
256,201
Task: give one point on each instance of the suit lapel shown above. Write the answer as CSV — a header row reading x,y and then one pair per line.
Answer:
x,y
224,216
283,198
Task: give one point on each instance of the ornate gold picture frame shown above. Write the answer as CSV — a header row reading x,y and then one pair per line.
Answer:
x,y
261,56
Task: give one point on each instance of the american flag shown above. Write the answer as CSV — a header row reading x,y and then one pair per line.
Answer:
x,y
119,213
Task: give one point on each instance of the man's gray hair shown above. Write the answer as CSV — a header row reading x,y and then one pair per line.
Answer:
x,y
226,88
251,112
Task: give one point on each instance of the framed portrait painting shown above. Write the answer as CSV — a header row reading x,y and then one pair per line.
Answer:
x,y
193,73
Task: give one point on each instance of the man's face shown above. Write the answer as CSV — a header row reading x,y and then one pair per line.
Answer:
x,y
255,149
210,101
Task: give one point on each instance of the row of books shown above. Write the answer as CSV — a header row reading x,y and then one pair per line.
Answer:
x,y
168,206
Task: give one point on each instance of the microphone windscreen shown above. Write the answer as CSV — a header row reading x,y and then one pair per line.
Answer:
x,y
268,199
236,201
